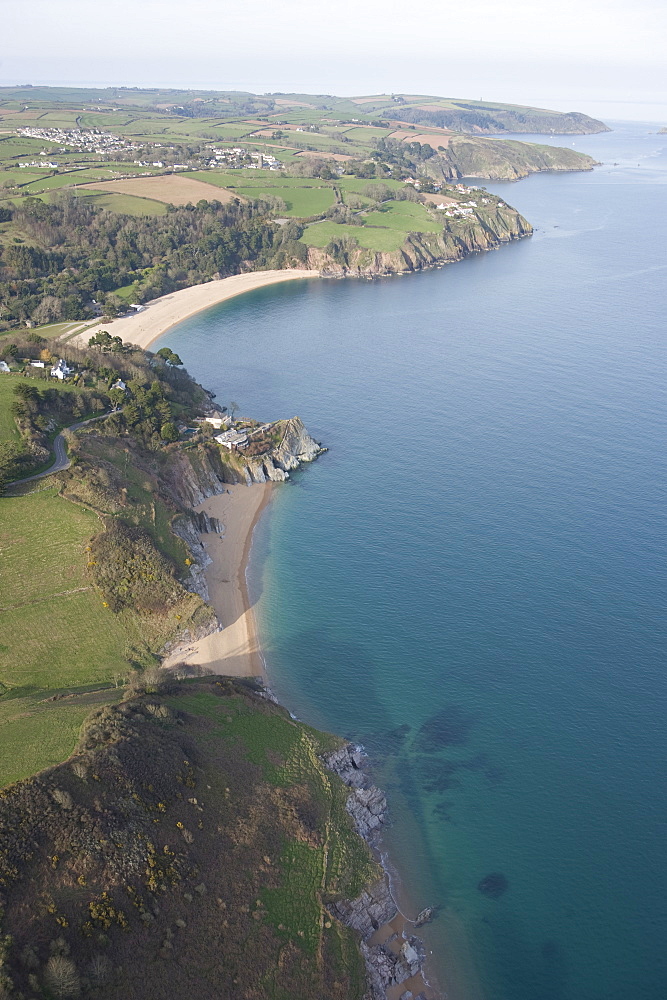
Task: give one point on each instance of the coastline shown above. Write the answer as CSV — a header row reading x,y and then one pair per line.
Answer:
x,y
160,315
232,649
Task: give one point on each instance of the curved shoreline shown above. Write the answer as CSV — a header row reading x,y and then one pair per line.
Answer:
x,y
160,315
233,649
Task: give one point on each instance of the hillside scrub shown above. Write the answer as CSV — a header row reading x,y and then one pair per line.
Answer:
x,y
160,859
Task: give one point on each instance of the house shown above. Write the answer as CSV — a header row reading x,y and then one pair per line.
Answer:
x,y
61,370
232,439
4,367
119,384
217,422
37,364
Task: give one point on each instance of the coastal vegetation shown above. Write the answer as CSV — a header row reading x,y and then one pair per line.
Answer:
x,y
195,826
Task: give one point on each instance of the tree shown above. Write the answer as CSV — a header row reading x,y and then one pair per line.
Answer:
x,y
233,408
117,397
169,432
169,356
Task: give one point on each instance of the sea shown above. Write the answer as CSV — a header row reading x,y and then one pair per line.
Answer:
x,y
471,582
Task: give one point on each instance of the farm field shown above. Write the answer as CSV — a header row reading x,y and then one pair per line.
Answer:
x,y
173,189
36,733
303,196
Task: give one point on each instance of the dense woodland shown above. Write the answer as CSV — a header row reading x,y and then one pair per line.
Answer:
x,y
74,253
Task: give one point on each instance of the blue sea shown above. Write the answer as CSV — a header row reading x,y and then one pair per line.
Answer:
x,y
472,581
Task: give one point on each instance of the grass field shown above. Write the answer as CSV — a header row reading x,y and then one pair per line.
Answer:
x,y
300,202
127,204
383,230
8,428
55,632
36,733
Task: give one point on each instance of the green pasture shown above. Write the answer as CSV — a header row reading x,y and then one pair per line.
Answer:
x,y
8,428
36,733
55,631
405,216
300,202
127,204
320,234
14,147
384,229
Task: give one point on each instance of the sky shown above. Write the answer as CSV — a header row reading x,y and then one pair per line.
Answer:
x,y
603,57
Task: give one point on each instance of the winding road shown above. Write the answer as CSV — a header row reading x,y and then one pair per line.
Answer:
x,y
61,460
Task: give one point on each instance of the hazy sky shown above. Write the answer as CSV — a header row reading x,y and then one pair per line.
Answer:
x,y
606,57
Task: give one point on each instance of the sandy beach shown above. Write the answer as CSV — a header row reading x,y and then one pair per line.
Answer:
x,y
235,649
159,315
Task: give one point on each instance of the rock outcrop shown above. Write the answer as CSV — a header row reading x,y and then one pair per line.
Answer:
x,y
190,528
394,956
295,447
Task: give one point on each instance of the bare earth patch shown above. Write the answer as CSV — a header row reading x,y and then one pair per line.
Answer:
x,y
170,188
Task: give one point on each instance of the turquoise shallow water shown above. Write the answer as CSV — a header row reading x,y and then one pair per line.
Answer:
x,y
471,581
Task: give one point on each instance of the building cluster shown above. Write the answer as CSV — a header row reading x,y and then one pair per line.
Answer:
x,y
88,140
61,371
43,164
237,157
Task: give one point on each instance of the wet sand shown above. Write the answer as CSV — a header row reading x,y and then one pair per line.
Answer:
x,y
235,649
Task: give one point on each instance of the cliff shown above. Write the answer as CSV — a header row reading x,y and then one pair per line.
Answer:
x,y
501,159
485,230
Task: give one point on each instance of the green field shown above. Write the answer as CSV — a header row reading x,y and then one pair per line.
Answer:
x,y
127,204
383,230
36,733
8,428
55,631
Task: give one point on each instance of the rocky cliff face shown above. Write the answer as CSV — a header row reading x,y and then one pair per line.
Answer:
x,y
501,159
296,446
485,231
391,958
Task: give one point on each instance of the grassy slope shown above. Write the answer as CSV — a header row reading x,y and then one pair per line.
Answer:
x,y
218,836
8,428
55,631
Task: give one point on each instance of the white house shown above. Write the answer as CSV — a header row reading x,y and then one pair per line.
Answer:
x,y
37,364
61,370
232,439
217,422
119,384
4,367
